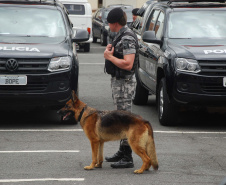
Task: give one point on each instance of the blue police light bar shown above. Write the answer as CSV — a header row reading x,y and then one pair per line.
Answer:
x,y
193,1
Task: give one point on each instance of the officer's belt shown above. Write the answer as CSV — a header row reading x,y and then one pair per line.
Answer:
x,y
124,77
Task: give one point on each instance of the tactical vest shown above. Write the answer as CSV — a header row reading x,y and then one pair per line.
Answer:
x,y
115,71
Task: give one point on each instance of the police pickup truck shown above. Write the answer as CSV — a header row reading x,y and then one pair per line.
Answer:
x,y
182,56
38,59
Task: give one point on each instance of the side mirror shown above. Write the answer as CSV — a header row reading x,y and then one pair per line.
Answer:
x,y
81,36
149,36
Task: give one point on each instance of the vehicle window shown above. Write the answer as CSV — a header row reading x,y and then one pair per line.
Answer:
x,y
140,24
98,16
75,9
151,21
199,24
106,14
28,22
129,15
159,25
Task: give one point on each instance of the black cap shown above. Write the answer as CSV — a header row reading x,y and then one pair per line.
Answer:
x,y
115,15
134,11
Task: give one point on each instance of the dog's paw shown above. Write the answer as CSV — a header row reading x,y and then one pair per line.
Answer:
x,y
98,166
138,171
88,167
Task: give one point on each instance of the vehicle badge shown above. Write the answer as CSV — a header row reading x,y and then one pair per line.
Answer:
x,y
11,65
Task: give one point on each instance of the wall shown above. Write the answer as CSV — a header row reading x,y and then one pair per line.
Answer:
x,y
135,3
140,3
94,4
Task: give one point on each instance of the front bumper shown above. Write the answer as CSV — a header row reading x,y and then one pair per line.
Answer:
x,y
199,90
42,90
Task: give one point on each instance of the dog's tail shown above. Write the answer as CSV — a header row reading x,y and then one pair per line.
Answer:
x,y
151,148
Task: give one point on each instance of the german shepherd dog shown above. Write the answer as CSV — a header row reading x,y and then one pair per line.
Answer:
x,y
102,126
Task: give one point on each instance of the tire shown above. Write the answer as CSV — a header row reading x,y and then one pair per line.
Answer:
x,y
103,40
94,38
87,47
167,112
141,94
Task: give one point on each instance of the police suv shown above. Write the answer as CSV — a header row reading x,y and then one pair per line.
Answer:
x,y
182,56
38,59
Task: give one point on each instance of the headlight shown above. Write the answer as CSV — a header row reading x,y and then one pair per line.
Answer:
x,y
59,63
187,65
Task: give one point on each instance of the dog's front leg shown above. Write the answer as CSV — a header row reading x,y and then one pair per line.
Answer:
x,y
100,155
95,147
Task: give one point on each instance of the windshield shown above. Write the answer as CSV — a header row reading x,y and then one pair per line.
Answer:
x,y
31,22
197,24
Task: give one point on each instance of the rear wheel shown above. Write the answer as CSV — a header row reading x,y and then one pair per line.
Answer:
x,y
87,47
167,112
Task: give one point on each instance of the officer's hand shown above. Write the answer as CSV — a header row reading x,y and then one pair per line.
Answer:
x,y
109,46
108,54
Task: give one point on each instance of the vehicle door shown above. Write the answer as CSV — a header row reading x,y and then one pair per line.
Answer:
x,y
99,23
152,53
144,51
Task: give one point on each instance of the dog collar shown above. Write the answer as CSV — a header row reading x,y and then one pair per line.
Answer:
x,y
81,113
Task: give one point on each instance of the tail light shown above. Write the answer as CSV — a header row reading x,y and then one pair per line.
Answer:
x,y
89,30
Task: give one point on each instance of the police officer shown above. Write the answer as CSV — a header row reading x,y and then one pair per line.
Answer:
x,y
122,54
134,12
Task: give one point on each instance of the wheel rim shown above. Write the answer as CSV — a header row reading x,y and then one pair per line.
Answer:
x,y
161,102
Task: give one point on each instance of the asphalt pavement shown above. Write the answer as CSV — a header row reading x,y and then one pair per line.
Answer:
x,y
37,149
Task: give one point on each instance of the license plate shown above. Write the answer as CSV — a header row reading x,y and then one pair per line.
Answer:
x,y
13,80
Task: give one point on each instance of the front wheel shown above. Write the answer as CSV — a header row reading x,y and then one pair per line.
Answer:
x,y
167,112
103,40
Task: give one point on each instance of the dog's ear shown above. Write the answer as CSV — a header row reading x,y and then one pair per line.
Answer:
x,y
74,96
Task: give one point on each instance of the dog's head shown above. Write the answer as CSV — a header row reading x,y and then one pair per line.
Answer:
x,y
69,110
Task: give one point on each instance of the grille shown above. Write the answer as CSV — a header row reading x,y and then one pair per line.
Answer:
x,y
213,88
32,86
27,65
213,67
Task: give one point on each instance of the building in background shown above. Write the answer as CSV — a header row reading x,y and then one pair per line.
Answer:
x,y
95,4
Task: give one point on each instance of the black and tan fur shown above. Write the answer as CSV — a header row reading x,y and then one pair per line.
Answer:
x,y
100,126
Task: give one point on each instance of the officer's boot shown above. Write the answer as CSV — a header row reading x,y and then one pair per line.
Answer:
x,y
126,161
117,156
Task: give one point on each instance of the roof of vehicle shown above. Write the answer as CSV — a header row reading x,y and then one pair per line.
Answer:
x,y
141,11
29,1
120,5
191,3
75,1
